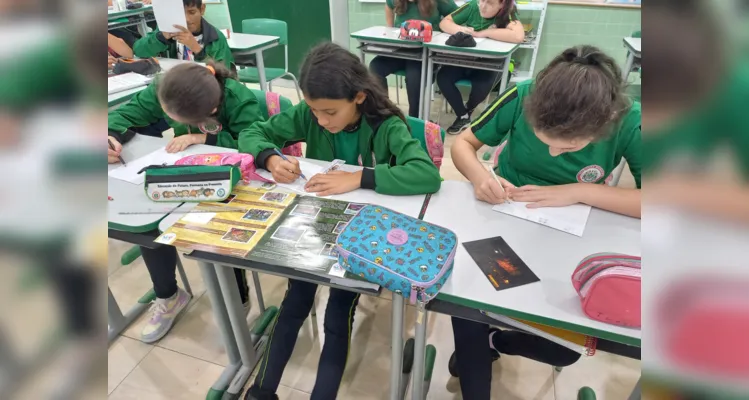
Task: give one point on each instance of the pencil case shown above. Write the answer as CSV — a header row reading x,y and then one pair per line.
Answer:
x,y
405,255
245,162
194,183
609,287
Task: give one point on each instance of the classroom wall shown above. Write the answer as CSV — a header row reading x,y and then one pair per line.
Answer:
x,y
217,14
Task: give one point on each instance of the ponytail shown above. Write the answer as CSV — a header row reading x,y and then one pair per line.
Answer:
x,y
426,7
193,91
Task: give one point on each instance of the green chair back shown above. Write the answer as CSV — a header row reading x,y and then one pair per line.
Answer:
x,y
267,26
637,34
418,128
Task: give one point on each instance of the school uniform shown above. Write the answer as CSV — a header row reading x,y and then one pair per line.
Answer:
x,y
525,160
382,66
211,39
482,81
395,164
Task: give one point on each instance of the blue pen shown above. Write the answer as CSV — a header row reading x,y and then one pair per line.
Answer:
x,y
286,159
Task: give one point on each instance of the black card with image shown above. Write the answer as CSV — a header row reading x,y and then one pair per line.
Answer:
x,y
501,266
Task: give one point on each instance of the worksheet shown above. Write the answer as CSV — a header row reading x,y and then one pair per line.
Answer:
x,y
570,219
129,172
130,80
169,13
308,169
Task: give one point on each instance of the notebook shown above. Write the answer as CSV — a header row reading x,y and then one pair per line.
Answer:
x,y
571,219
308,169
130,80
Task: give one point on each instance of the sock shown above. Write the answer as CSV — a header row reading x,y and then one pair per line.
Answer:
x,y
491,341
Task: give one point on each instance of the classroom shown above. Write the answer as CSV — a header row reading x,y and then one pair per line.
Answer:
x,y
345,199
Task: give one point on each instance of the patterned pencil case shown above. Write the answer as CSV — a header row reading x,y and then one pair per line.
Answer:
x,y
194,183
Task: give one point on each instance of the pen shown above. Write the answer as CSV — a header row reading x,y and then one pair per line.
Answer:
x,y
111,146
286,159
496,178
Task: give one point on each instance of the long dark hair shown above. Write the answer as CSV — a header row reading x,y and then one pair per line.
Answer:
x,y
505,14
579,94
426,7
193,91
331,72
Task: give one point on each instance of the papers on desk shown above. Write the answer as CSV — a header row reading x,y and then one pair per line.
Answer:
x,y
570,219
169,13
130,173
478,39
130,80
308,169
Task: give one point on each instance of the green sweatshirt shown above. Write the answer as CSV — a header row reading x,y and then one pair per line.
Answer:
x,y
214,44
401,166
237,111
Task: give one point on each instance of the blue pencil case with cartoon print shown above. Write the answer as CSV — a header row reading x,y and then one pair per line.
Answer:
x,y
405,255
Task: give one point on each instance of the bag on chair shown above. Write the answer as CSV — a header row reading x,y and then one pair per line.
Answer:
x,y
416,30
609,286
273,104
405,255
245,163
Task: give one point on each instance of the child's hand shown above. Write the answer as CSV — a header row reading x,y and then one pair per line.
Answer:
x,y
186,37
113,156
111,61
489,191
182,142
283,171
334,182
466,29
479,34
548,196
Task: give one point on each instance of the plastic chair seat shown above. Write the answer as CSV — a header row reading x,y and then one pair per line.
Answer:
x,y
251,75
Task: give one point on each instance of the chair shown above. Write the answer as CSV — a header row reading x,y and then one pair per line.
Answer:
x,y
270,27
431,137
274,103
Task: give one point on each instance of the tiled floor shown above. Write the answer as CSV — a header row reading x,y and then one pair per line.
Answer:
x,y
188,360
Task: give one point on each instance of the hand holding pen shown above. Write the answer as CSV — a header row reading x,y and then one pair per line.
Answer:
x,y
284,169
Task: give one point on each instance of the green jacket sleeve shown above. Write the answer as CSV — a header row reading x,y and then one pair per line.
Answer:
x,y
288,126
461,15
150,45
497,120
142,110
241,110
218,51
414,172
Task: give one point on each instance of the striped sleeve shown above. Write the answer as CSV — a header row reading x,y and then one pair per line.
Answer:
x,y
462,14
497,120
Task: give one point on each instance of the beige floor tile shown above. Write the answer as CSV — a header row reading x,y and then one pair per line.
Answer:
x,y
164,374
122,357
611,376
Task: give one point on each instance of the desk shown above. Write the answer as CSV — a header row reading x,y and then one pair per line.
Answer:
x,y
384,41
489,55
242,44
634,52
135,17
121,97
552,255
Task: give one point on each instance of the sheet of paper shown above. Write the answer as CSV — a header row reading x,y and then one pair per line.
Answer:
x,y
308,169
130,80
199,218
478,39
130,173
570,219
169,13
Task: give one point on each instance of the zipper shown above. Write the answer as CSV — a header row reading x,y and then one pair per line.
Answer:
x,y
206,176
583,274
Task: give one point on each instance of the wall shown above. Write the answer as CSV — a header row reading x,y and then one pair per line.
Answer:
x,y
218,15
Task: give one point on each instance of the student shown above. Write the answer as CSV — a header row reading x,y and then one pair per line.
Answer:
x,y
188,95
345,115
196,42
397,12
562,134
493,19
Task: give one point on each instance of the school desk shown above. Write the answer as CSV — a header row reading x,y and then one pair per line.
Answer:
x,y
118,98
384,41
489,54
126,18
132,228
634,53
232,318
245,44
551,254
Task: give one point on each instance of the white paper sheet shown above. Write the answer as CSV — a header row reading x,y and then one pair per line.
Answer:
x,y
130,173
199,217
570,219
308,169
130,80
478,39
169,13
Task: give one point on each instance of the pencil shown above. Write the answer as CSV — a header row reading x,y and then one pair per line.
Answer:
x,y
496,178
111,146
286,159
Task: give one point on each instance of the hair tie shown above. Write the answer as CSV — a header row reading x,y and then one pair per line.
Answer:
x,y
210,68
581,60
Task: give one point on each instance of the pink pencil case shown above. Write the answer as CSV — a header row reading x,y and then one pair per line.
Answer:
x,y
245,162
609,286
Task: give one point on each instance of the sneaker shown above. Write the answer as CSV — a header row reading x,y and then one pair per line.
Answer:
x,y
460,123
164,311
495,352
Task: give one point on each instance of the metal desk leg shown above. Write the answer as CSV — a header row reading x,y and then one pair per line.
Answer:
x,y
183,276
117,321
222,320
636,392
505,75
427,97
261,70
628,64
142,26
417,377
396,349
361,55
258,292
425,84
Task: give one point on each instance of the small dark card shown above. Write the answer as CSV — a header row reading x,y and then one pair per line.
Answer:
x,y
501,266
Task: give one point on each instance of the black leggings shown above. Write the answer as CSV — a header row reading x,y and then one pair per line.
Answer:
x,y
474,360
382,66
482,82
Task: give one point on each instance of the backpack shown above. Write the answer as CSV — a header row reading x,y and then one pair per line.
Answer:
x,y
416,30
273,104
245,162
405,255
609,286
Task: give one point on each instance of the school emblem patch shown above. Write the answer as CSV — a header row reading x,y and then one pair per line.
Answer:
x,y
590,174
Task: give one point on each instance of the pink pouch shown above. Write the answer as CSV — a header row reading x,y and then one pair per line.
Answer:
x,y
245,162
609,286
273,104
433,139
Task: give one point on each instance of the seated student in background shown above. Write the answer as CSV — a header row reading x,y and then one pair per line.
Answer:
x,y
204,106
196,42
493,19
562,136
397,12
345,115
117,48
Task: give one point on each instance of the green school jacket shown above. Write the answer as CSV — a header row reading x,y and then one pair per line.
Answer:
x,y
443,8
215,46
525,160
238,111
401,166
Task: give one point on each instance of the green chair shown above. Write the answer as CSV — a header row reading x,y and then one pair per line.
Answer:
x,y
421,133
270,27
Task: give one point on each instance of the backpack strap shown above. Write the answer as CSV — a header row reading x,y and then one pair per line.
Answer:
x,y
433,140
